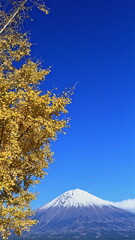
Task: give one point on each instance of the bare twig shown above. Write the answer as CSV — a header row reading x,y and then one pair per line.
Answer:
x,y
13,15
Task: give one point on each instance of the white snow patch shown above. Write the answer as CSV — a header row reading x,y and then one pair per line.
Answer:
x,y
76,198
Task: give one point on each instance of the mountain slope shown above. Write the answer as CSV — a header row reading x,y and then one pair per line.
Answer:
x,y
78,214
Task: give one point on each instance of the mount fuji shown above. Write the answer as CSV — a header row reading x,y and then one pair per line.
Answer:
x,y
76,214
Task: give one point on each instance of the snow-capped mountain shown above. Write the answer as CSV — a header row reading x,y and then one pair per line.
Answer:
x,y
82,198
76,198
78,214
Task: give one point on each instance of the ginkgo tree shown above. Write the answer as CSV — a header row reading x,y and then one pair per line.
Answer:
x,y
29,121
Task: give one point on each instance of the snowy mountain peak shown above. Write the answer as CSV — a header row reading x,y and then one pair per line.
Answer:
x,y
76,198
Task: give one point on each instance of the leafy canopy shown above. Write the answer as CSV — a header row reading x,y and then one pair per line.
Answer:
x,y
29,120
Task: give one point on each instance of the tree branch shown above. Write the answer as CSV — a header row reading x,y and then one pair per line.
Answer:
x,y
13,16
24,132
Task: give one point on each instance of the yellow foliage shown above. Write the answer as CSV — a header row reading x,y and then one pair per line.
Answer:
x,y
29,120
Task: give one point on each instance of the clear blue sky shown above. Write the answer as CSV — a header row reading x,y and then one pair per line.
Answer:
x,y
92,42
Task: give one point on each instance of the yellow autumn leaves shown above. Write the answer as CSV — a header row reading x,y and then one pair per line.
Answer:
x,y
29,121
